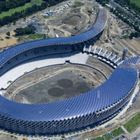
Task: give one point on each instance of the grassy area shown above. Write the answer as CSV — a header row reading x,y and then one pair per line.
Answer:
x,y
111,135
133,123
36,36
98,138
130,126
20,9
78,4
117,132
31,37
108,136
137,2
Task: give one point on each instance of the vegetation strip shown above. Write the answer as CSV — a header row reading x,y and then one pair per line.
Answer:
x,y
5,5
24,10
109,136
20,9
133,123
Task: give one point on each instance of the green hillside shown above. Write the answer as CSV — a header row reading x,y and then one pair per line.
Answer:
x,y
136,2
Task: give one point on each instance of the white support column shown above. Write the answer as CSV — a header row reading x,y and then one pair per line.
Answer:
x,y
117,60
105,53
90,47
95,49
100,51
114,56
84,48
109,55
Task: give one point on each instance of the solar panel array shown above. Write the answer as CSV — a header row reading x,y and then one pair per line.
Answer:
x,y
96,29
73,114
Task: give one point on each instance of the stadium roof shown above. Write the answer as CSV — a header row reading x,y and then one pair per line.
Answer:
x,y
118,86
115,88
97,28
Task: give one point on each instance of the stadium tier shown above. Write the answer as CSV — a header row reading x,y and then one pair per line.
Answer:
x,y
87,110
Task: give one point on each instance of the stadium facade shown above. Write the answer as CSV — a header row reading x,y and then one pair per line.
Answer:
x,y
74,114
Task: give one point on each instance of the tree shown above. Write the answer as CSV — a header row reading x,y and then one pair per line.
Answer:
x,y
8,33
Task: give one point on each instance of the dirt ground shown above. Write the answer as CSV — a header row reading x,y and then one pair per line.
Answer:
x,y
115,37
58,82
7,41
65,19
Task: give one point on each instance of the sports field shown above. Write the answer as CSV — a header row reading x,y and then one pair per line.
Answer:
x,y
137,2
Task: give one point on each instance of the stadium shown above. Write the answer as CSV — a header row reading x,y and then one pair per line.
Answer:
x,y
85,111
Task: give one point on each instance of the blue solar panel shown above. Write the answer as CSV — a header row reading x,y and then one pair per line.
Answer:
x,y
73,113
114,89
97,28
